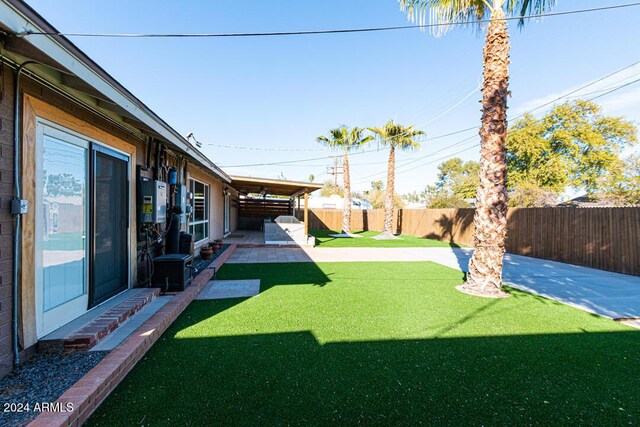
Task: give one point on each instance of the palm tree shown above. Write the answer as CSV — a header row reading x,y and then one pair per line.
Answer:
x,y
345,139
395,136
490,220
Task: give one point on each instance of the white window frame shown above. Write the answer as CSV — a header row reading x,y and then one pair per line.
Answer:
x,y
207,198
227,213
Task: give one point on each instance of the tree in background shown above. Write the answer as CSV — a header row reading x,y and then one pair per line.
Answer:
x,y
311,178
345,139
438,199
414,197
394,136
623,187
457,181
490,219
377,195
530,195
329,189
574,145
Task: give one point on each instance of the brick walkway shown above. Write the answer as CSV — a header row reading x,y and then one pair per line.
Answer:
x,y
608,294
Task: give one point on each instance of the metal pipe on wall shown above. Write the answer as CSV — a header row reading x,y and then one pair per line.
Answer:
x,y
17,207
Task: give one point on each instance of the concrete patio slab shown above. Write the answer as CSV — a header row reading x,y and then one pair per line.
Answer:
x,y
221,289
607,294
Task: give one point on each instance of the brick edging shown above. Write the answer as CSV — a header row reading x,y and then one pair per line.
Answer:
x,y
92,389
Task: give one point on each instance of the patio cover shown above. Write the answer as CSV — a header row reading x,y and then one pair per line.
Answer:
x,y
273,187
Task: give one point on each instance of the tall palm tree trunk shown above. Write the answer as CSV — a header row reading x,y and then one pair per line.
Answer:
x,y
346,214
490,219
387,230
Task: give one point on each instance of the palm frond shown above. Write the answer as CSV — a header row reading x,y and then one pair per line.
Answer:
x,y
444,13
397,136
344,138
529,7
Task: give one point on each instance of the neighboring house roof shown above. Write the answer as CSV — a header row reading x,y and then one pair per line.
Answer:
x,y
335,201
586,201
75,73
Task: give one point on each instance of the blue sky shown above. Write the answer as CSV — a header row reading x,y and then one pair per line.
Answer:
x,y
282,92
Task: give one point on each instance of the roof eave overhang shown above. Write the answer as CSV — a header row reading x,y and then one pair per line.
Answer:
x,y
19,18
296,188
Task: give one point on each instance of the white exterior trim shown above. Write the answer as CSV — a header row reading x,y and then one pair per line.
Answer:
x,y
18,23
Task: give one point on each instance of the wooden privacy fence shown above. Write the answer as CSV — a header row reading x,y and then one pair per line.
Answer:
x,y
264,208
603,238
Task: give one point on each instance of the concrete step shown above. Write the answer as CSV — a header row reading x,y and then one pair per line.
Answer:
x,y
130,325
94,326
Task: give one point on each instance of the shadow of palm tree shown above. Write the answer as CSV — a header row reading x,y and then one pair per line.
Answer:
x,y
291,378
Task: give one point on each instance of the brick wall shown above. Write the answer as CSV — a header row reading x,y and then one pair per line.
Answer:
x,y
7,191
6,220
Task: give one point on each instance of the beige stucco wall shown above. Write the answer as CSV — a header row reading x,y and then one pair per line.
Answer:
x,y
216,204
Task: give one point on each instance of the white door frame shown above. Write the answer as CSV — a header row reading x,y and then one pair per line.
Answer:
x,y
48,321
227,213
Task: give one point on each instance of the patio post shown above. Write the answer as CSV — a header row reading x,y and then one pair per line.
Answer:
x,y
306,213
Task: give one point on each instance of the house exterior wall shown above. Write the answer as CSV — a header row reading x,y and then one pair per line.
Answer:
x,y
35,106
88,124
216,204
216,220
30,88
6,221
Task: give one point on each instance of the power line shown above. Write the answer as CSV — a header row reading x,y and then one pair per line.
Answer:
x,y
579,89
462,130
364,179
300,160
237,147
534,109
316,32
433,108
440,114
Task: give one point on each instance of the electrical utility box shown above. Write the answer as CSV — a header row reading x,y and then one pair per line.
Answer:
x,y
181,201
153,197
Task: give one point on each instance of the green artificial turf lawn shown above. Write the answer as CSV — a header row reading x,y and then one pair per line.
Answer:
x,y
380,343
324,239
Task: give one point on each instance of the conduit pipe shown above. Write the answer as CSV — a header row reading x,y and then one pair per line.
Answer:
x,y
17,207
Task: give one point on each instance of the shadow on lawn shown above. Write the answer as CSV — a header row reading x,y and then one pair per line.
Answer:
x,y
291,378
276,274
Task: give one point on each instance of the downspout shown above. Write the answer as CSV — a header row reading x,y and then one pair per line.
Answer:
x,y
18,206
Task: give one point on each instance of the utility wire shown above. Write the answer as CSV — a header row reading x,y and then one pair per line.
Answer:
x,y
237,147
300,160
566,95
448,110
334,31
364,179
463,130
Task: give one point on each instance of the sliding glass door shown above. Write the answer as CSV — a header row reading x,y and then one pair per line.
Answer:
x,y
81,225
61,218
110,225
